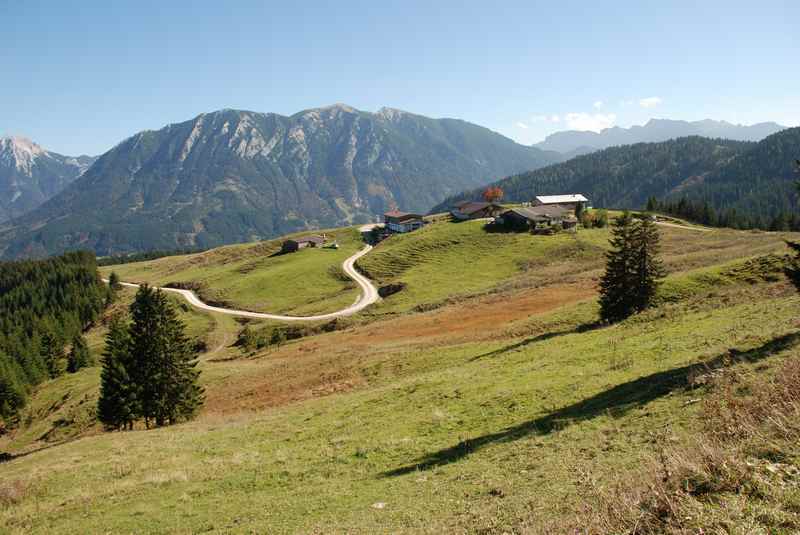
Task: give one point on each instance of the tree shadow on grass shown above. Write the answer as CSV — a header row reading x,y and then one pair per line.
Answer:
x,y
582,328
6,457
617,400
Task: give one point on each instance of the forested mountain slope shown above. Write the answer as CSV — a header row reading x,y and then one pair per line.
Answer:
x,y
623,177
44,304
761,183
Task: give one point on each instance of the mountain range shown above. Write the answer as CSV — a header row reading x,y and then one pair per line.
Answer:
x,y
577,142
30,175
233,176
757,180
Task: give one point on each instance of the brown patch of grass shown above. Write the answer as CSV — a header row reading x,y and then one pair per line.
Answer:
x,y
13,492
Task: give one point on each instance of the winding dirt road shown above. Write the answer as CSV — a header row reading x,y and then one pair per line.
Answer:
x,y
369,295
685,227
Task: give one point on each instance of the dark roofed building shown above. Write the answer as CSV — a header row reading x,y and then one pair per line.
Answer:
x,y
295,244
397,221
476,210
529,217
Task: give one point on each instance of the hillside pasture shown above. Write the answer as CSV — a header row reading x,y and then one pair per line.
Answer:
x,y
496,410
256,277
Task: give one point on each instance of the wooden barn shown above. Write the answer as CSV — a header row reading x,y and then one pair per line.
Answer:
x,y
293,245
475,210
535,217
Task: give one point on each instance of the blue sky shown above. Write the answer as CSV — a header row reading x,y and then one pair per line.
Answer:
x,y
78,77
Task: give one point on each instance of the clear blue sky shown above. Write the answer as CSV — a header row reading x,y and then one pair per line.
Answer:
x,y
78,77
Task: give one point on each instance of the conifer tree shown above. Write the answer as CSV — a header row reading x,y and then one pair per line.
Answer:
x,y
648,268
615,285
12,393
78,355
118,404
52,352
792,270
164,361
633,269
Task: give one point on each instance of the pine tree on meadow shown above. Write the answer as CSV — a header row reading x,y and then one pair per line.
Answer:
x,y
633,269
648,268
118,404
615,285
792,269
164,362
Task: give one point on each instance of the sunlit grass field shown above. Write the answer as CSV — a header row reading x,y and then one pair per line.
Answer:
x,y
413,422
254,277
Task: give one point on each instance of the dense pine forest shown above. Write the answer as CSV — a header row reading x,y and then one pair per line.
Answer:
x,y
44,307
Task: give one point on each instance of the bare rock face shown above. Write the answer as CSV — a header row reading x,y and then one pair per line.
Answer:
x,y
29,175
232,176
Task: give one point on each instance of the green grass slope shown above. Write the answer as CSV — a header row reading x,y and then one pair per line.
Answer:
x,y
493,435
253,277
445,261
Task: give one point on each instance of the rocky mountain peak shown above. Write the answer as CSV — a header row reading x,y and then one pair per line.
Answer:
x,y
21,152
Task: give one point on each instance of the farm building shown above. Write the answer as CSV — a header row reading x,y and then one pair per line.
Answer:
x,y
476,210
573,201
397,221
538,217
290,246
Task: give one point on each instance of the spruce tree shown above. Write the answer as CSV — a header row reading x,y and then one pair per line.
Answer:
x,y
52,353
792,270
78,355
615,285
12,393
633,269
164,360
648,268
118,404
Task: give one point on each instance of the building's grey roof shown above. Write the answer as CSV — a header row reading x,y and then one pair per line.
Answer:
x,y
315,238
475,206
401,216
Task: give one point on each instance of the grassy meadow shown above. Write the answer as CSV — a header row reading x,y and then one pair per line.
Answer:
x,y
255,277
481,398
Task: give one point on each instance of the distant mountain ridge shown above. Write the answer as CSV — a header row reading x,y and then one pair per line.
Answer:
x,y
232,176
30,175
576,142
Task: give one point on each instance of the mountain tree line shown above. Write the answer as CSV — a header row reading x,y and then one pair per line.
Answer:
x,y
44,307
703,212
149,367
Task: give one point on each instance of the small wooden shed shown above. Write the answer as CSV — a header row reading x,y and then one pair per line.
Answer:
x,y
293,245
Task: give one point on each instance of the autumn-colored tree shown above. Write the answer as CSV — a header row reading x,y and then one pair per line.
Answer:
x,y
493,194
